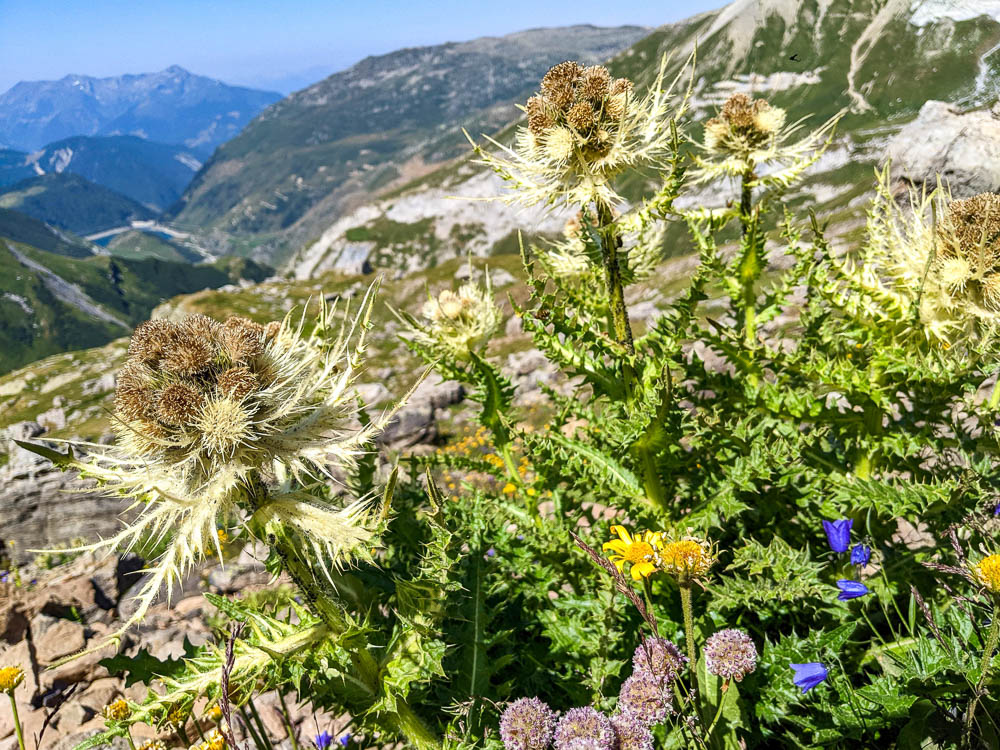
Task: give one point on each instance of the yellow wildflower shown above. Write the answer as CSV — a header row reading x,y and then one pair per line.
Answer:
x,y
10,678
686,559
639,551
118,710
988,572
509,489
153,745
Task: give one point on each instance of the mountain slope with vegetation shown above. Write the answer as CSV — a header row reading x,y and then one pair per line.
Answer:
x,y
65,298
877,67
150,173
381,122
71,202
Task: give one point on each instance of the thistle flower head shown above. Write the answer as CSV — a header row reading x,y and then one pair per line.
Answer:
x,y
686,559
659,657
213,414
631,732
457,324
987,571
750,132
647,697
584,127
584,723
743,126
730,654
935,260
10,678
527,724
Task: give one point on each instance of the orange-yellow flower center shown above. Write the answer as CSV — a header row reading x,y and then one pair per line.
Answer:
x,y
685,558
638,552
989,573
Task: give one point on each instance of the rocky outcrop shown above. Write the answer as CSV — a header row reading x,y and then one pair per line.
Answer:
x,y
42,506
962,147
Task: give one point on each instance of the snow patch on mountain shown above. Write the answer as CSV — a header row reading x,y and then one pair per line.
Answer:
x,y
926,12
188,161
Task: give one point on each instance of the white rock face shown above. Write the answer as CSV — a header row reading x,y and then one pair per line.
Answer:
x,y
470,203
963,148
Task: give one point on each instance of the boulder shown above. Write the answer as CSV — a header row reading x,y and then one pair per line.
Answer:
x,y
963,147
42,506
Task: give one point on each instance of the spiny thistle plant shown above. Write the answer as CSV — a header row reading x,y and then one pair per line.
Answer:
x,y
932,265
786,472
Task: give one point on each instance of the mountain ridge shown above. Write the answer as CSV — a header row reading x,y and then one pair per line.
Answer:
x,y
170,106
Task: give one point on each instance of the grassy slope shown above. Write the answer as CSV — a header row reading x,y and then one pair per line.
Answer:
x,y
72,203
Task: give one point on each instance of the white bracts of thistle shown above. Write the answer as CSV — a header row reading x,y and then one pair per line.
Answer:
x,y
938,257
748,134
210,414
583,130
458,323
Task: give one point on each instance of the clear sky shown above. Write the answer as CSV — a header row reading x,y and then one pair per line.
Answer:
x,y
275,44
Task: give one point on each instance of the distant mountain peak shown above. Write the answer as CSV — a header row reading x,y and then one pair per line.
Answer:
x,y
171,106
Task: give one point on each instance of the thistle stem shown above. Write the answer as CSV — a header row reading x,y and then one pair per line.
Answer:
x,y
128,736
288,721
260,725
718,711
257,741
689,628
750,265
992,639
995,395
365,668
17,721
610,245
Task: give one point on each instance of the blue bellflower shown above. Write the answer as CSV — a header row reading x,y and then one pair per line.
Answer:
x,y
838,534
809,675
323,740
860,554
850,589
345,740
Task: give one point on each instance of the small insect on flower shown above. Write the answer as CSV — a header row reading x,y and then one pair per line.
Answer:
x,y
631,732
584,127
988,573
10,678
686,559
860,554
638,551
850,589
117,710
527,724
646,696
809,675
584,723
659,657
838,534
730,654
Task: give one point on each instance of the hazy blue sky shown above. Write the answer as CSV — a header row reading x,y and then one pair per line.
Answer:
x,y
273,44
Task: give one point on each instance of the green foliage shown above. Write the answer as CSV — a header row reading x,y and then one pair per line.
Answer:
x,y
765,399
